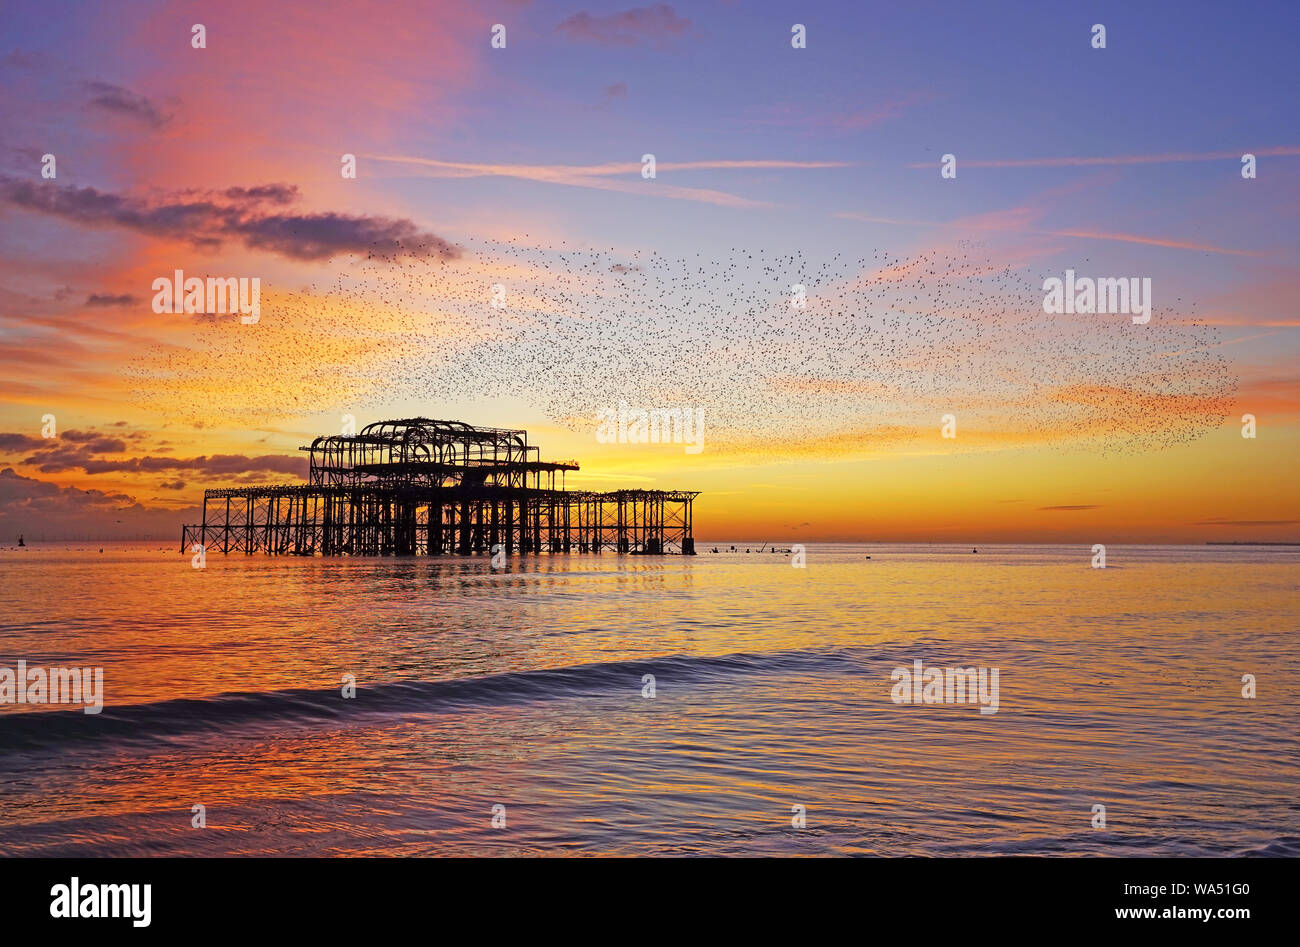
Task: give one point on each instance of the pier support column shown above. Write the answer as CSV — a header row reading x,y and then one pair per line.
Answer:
x,y
463,544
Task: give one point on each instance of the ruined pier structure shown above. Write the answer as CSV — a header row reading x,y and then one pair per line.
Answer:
x,y
424,487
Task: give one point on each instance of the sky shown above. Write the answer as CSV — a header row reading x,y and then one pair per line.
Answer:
x,y
522,167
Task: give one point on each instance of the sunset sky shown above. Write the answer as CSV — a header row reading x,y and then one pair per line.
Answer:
x,y
522,167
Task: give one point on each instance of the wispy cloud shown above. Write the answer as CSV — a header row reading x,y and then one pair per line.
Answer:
x,y
1246,522
1012,222
1168,242
658,25
116,100
1217,345
1113,160
606,177
616,91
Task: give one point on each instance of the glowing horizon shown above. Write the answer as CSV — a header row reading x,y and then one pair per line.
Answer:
x,y
479,166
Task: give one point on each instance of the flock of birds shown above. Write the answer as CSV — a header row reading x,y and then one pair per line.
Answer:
x,y
873,353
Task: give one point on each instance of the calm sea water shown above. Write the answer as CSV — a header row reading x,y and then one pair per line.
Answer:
x,y
524,689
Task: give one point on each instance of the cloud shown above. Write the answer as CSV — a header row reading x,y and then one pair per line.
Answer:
x,y
1279,396
1167,242
606,177
270,193
658,25
215,466
90,440
616,91
1014,221
562,172
42,509
17,442
119,101
85,450
104,300
21,59
1246,523
1261,296
213,218
1070,162
1069,508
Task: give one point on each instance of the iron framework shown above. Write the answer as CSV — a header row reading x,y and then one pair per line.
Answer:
x,y
423,487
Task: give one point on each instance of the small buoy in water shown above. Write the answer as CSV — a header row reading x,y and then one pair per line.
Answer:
x,y
974,550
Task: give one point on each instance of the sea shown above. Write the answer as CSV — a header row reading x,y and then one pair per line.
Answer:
x,y
744,702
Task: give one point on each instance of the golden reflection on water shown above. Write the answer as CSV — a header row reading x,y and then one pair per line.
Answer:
x,y
1119,686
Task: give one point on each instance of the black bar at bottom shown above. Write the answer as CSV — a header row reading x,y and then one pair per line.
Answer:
x,y
941,897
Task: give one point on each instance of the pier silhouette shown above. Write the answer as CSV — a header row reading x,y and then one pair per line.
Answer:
x,y
423,487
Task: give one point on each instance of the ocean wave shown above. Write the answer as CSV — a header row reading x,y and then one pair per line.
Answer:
x,y
36,730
